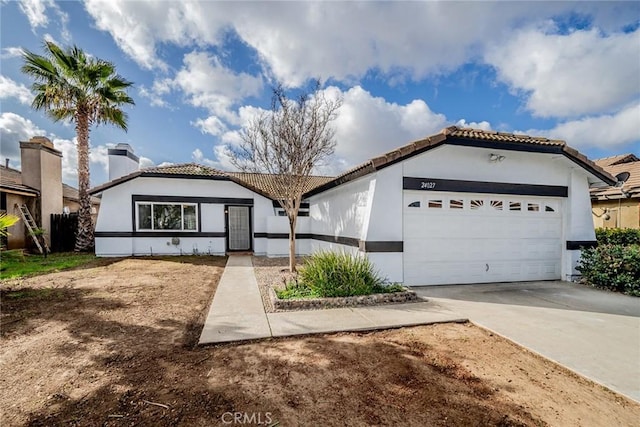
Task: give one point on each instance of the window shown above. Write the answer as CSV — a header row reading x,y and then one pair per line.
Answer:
x,y
415,204
456,204
477,204
435,204
496,204
548,208
533,207
163,216
514,206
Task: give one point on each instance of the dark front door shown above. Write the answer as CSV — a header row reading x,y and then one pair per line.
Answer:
x,y
239,228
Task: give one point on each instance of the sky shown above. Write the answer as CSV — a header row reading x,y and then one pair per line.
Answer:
x,y
404,70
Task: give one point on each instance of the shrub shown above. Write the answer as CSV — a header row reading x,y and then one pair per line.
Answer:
x,y
338,274
618,236
614,267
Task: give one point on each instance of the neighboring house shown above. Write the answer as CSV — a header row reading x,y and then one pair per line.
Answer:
x,y
39,186
462,206
618,205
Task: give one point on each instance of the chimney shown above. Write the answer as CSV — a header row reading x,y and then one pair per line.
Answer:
x,y
122,161
6,163
42,170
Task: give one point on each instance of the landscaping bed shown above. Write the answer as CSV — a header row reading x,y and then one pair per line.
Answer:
x,y
333,302
282,290
113,345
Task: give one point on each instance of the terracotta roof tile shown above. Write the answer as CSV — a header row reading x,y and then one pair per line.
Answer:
x,y
184,169
11,179
264,184
489,135
269,184
454,133
616,165
71,193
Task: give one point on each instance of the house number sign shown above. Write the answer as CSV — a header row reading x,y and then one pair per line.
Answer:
x,y
427,185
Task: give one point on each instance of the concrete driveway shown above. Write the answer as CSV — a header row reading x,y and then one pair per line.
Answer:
x,y
592,332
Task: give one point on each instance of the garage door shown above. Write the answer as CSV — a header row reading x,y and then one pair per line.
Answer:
x,y
452,238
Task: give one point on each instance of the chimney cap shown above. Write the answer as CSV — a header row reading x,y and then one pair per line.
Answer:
x,y
43,140
124,146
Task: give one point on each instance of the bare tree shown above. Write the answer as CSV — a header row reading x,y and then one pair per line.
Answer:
x,y
288,142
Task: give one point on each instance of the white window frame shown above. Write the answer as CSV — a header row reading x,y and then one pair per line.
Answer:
x,y
182,206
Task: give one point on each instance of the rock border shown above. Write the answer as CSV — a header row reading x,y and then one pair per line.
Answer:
x,y
340,302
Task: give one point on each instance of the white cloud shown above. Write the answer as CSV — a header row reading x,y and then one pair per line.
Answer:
x,y
13,129
35,11
570,75
368,126
608,131
12,89
137,27
211,125
484,125
207,83
299,40
146,162
11,52
155,94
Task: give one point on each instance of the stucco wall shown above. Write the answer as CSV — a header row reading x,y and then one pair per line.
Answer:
x,y
279,247
623,213
116,216
17,233
342,211
380,217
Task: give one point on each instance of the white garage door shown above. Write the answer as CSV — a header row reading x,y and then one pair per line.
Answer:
x,y
452,238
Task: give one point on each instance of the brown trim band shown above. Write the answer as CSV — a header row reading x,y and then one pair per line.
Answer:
x,y
167,234
188,199
573,245
460,186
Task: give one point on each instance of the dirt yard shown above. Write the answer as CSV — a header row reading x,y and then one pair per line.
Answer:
x,y
113,345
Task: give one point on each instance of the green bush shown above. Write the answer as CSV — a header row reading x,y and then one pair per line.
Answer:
x,y
337,274
618,236
614,267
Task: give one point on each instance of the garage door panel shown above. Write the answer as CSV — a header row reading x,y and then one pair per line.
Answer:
x,y
487,244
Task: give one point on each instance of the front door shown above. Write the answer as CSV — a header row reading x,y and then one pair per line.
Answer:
x,y
238,228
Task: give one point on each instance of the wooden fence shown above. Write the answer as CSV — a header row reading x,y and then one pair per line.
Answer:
x,y
63,232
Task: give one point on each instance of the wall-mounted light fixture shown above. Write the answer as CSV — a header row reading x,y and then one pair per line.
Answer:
x,y
495,158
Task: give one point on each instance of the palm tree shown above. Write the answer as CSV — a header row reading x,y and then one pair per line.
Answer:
x,y
71,85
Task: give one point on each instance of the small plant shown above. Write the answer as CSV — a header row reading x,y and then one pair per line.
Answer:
x,y
6,221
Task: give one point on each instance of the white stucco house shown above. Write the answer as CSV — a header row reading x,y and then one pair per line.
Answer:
x,y
461,206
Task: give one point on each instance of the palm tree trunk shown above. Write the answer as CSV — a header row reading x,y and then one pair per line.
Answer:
x,y
84,238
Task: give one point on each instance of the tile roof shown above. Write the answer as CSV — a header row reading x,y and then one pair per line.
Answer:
x,y
193,169
471,137
264,184
615,165
614,160
490,135
11,180
269,184
71,193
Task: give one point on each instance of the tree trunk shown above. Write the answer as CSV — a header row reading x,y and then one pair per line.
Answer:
x,y
84,238
292,244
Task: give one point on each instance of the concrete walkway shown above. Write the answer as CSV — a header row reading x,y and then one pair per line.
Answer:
x,y
237,312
